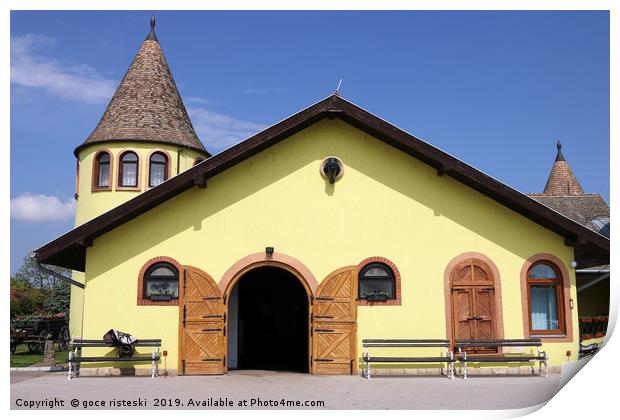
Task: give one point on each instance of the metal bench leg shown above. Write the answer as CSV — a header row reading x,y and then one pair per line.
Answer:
x,y
465,367
153,365
367,356
70,365
451,366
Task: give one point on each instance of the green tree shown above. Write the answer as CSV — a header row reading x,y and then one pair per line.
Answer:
x,y
34,291
26,299
30,273
59,298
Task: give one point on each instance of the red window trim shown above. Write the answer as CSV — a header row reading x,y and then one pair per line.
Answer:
x,y
147,302
168,170
389,302
565,306
119,186
95,175
559,296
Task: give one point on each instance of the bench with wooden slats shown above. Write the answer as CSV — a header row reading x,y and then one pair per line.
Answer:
x,y
500,357
407,343
75,356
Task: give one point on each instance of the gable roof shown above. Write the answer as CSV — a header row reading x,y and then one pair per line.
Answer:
x,y
146,106
69,250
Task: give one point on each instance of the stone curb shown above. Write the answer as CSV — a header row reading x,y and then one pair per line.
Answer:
x,y
39,369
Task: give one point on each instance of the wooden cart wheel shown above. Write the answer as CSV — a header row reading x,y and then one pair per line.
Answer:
x,y
41,338
64,338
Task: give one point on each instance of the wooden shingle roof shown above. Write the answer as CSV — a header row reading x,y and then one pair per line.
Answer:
x,y
589,210
146,106
564,194
562,180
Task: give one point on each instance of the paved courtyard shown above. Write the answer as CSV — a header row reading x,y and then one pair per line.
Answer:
x,y
261,389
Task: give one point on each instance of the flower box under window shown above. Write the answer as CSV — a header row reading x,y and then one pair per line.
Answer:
x,y
376,297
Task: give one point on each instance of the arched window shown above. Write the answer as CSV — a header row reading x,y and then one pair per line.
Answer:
x,y
376,282
545,299
102,171
128,170
158,169
161,282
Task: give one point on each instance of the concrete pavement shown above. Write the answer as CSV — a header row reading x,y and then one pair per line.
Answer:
x,y
273,390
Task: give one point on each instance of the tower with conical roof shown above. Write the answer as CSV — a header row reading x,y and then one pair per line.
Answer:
x,y
562,181
144,138
564,194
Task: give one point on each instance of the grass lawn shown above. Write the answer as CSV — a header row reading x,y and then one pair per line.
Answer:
x,y
23,357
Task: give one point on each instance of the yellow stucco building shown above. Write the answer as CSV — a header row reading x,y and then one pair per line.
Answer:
x,y
288,249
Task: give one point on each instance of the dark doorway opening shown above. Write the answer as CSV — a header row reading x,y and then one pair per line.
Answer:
x,y
272,321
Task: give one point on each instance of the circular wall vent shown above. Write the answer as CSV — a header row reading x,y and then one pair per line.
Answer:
x,y
332,169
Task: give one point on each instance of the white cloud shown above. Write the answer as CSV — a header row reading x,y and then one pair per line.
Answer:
x,y
76,81
198,100
220,131
41,208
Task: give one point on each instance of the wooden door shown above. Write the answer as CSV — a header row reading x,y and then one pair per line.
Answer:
x,y
484,299
462,313
334,317
473,302
202,324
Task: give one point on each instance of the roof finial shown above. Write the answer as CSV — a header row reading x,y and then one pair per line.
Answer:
x,y
559,156
151,36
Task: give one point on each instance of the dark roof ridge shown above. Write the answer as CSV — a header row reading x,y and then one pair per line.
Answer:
x,y
68,250
564,195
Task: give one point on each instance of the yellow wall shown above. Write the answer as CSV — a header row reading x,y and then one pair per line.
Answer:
x,y
91,204
386,204
76,307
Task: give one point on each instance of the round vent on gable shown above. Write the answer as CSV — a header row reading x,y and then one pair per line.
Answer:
x,y
332,169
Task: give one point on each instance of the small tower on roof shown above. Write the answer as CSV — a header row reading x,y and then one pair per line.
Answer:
x,y
562,181
146,106
144,137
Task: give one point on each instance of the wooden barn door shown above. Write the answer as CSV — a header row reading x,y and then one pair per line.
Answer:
x,y
334,317
202,325
473,302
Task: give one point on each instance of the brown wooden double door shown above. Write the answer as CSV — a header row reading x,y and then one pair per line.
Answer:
x,y
473,303
334,324
203,324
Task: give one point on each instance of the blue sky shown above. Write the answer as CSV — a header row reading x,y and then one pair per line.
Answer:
x,y
495,89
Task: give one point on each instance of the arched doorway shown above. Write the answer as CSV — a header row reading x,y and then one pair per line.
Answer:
x,y
268,321
209,316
